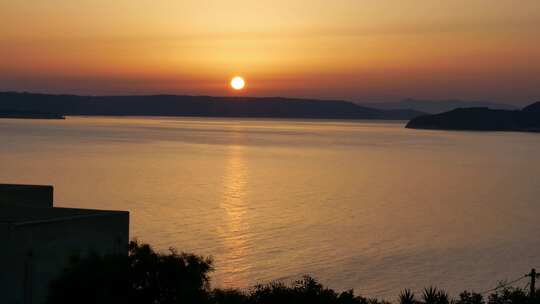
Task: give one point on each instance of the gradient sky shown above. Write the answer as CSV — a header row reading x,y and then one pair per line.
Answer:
x,y
362,50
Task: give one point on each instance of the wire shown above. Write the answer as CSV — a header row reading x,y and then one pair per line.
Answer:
x,y
505,284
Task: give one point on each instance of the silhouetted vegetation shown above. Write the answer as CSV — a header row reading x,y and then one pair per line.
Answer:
x,y
508,296
147,277
470,298
142,276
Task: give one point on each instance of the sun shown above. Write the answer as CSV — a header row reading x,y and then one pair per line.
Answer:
x,y
238,83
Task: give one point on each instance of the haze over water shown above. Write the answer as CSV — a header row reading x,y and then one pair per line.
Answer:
x,y
365,205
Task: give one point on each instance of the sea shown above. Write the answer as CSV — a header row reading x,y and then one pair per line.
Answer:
x,y
363,205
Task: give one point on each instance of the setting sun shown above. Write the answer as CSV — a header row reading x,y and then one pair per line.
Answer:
x,y
365,143
238,83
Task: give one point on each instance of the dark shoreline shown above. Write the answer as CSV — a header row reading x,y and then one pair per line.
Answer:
x,y
481,119
22,115
196,106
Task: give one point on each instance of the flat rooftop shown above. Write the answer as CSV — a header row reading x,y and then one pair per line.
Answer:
x,y
27,215
29,195
20,187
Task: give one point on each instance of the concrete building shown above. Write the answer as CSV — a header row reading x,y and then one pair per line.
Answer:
x,y
37,239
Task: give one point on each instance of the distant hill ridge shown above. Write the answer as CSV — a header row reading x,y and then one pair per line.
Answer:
x,y
203,106
482,119
438,106
28,115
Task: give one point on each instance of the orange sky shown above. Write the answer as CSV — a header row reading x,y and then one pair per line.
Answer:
x,y
364,50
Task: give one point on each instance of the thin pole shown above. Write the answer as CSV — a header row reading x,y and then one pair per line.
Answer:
x,y
533,276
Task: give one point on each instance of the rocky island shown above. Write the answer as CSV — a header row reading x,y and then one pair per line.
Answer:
x,y
482,119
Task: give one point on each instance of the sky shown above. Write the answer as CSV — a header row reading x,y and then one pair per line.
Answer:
x,y
359,50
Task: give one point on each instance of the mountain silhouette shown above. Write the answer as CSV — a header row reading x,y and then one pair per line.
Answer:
x,y
482,119
203,106
437,106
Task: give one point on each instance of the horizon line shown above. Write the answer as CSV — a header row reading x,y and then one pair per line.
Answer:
x,y
261,97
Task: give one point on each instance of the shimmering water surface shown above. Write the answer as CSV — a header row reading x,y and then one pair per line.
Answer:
x,y
365,205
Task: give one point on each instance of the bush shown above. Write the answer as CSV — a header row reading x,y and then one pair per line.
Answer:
x,y
143,276
470,298
510,296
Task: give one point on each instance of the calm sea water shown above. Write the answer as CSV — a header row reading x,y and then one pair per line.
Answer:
x,y
365,205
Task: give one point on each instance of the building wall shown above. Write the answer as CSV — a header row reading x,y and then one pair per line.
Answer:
x,y
5,269
40,251
26,195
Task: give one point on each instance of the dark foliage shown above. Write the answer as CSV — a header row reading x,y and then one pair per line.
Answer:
x,y
147,277
143,276
433,295
470,298
307,290
229,296
407,297
510,296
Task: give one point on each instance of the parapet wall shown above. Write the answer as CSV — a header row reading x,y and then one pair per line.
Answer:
x,y
48,246
37,240
26,195
37,251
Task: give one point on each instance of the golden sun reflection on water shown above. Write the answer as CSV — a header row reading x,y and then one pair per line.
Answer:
x,y
346,202
235,226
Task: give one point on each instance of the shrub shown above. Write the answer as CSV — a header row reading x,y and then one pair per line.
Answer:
x,y
142,276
